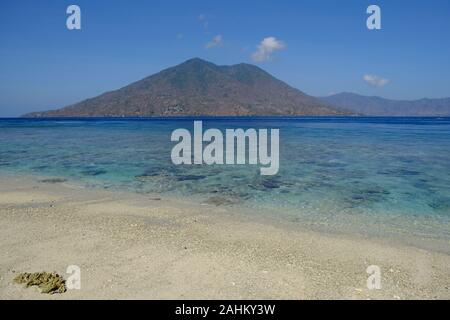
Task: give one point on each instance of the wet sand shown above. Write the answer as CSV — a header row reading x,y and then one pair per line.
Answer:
x,y
132,246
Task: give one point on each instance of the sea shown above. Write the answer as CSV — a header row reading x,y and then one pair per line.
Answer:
x,y
386,177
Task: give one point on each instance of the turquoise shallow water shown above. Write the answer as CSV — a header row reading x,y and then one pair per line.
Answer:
x,y
372,175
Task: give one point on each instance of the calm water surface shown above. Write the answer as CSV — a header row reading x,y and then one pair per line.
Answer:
x,y
383,176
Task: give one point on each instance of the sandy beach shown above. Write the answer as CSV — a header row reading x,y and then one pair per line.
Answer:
x,y
132,246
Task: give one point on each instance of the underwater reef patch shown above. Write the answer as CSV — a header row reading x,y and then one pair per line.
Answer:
x,y
190,177
53,180
440,204
401,172
93,172
220,201
367,196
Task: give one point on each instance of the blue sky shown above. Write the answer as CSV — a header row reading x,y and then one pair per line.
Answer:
x,y
320,47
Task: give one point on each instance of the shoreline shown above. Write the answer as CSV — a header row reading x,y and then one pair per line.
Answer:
x,y
285,217
135,246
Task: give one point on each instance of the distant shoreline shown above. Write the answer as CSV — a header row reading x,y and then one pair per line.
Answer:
x,y
221,117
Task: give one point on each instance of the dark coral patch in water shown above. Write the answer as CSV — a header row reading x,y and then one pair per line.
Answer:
x,y
270,184
189,177
331,164
263,183
93,172
53,180
440,204
367,196
399,172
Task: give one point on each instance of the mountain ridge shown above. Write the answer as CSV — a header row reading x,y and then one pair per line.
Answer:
x,y
379,106
198,87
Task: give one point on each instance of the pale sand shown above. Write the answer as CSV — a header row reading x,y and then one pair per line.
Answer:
x,y
131,246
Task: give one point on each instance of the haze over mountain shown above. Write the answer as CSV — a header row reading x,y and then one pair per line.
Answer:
x,y
198,87
377,106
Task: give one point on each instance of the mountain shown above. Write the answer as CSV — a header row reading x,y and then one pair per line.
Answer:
x,y
377,106
198,87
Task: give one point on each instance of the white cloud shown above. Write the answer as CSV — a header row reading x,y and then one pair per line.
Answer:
x,y
215,42
266,48
375,81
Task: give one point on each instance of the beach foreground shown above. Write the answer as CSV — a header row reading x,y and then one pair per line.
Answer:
x,y
132,246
